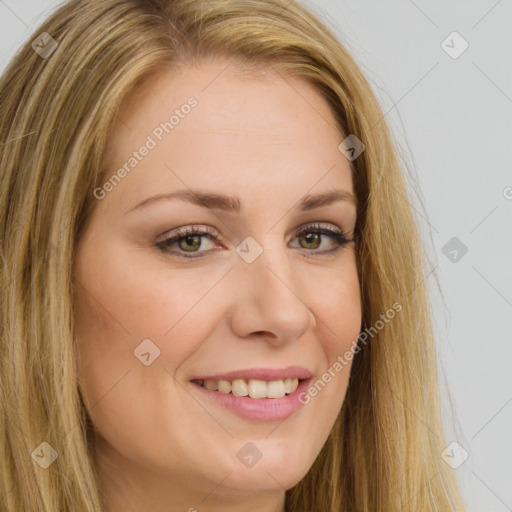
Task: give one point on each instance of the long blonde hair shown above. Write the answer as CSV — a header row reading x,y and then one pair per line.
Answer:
x,y
57,109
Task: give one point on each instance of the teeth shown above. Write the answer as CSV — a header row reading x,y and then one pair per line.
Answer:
x,y
239,388
254,388
257,388
211,385
275,389
224,386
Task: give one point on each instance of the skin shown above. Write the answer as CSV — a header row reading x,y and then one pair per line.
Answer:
x,y
160,446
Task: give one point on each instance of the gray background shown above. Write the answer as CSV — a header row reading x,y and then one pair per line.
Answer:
x,y
452,120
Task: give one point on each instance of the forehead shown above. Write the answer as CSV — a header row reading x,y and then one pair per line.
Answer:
x,y
257,131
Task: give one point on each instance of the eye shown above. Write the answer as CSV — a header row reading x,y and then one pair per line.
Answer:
x,y
313,236
190,239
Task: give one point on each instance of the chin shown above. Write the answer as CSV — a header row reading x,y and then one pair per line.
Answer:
x,y
278,471
265,479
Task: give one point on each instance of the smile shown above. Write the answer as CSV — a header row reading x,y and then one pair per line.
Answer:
x,y
260,394
253,388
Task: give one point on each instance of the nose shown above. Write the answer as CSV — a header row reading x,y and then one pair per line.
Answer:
x,y
269,299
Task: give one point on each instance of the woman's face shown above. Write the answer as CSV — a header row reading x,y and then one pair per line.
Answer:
x,y
252,299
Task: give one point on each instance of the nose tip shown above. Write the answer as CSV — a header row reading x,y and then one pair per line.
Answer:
x,y
268,301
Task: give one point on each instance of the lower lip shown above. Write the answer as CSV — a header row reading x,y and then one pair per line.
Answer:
x,y
257,409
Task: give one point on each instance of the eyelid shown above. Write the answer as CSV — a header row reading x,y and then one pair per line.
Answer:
x,y
328,229
317,225
189,229
192,229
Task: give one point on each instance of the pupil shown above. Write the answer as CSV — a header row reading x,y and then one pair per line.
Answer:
x,y
190,239
311,238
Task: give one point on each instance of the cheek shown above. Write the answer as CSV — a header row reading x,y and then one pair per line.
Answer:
x,y
340,320
122,301
340,310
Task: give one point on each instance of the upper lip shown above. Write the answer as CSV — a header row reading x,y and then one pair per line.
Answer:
x,y
267,374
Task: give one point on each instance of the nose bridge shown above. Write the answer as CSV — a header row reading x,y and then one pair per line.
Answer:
x,y
268,298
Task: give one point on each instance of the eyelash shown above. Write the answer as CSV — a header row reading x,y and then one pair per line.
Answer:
x,y
339,237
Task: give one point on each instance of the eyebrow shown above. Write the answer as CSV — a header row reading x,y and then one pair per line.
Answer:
x,y
217,201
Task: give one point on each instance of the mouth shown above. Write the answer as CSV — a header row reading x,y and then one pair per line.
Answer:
x,y
260,394
253,388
